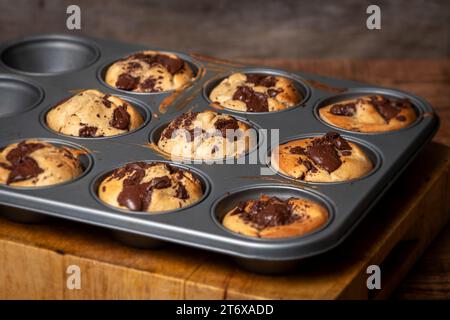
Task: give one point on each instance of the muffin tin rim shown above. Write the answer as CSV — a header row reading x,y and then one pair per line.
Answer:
x,y
203,177
84,41
206,87
55,142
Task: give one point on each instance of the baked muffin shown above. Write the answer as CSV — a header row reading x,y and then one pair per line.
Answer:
x,y
329,158
35,163
253,92
92,113
271,217
150,187
149,71
372,113
203,135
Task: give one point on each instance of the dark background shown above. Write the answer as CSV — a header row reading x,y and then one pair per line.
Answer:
x,y
248,28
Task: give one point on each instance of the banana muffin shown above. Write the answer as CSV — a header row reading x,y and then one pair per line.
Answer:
x,y
372,113
329,158
35,163
92,113
254,92
150,187
271,217
206,135
149,71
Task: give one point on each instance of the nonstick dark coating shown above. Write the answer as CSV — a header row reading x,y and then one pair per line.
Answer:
x,y
37,72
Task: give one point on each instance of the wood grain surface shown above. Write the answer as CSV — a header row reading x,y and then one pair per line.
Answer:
x,y
35,257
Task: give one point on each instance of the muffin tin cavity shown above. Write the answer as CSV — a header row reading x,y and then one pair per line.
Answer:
x,y
141,107
84,156
370,150
193,64
50,55
18,95
252,192
360,92
298,83
204,180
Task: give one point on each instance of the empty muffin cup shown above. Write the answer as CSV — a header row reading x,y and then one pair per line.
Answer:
x,y
50,55
18,95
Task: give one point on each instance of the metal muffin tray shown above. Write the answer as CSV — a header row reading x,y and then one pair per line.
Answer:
x,y
37,72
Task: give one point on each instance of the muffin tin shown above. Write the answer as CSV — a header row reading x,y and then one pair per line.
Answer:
x,y
37,72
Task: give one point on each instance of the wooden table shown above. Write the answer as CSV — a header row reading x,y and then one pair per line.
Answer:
x,y
35,257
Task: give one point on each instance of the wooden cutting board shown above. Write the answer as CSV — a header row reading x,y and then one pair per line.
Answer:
x,y
34,258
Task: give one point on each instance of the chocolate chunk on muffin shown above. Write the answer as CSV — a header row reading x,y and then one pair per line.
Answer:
x,y
271,217
371,113
255,92
150,187
92,113
35,163
329,158
149,71
206,135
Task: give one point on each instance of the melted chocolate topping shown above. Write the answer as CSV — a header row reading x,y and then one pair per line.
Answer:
x,y
127,82
259,79
87,132
226,124
173,65
149,84
266,213
135,195
121,118
106,102
181,122
389,108
297,150
324,151
22,166
346,110
255,101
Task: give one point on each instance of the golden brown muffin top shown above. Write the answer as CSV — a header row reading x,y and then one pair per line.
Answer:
x,y
255,92
272,217
35,163
371,113
329,158
91,113
203,135
156,186
149,71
